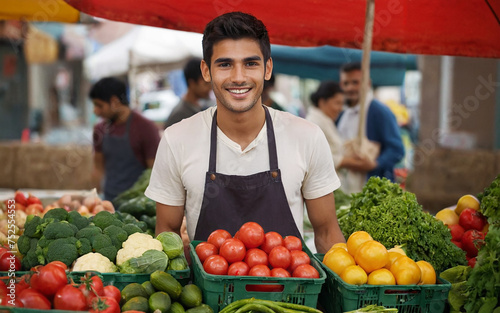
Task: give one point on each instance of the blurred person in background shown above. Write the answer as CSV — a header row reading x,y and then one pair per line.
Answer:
x,y
328,101
125,142
197,89
381,127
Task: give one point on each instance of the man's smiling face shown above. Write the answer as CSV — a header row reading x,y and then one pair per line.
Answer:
x,y
237,73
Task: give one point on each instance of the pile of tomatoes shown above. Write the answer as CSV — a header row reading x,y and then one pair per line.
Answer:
x,y
8,261
251,252
47,287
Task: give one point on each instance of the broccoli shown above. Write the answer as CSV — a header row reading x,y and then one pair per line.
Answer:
x,y
117,235
88,232
31,228
41,254
109,252
126,217
100,241
83,246
142,225
58,214
62,250
44,242
61,229
29,260
131,228
23,244
77,219
104,219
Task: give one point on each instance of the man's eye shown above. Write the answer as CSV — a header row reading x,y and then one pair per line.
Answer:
x,y
224,64
252,64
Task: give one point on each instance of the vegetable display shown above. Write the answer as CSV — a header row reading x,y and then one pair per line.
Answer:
x,y
267,306
393,217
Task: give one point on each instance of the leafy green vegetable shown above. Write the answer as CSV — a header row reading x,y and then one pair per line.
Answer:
x,y
457,296
341,198
136,190
150,261
393,216
172,244
490,201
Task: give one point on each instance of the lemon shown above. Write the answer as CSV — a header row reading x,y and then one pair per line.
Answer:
x,y
371,256
356,239
467,201
381,277
406,271
354,275
428,276
337,260
447,216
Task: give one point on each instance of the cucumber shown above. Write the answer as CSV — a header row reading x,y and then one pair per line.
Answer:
x,y
148,286
176,307
136,304
133,290
165,282
159,302
191,296
204,308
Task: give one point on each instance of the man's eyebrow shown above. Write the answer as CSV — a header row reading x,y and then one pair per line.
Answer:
x,y
252,58
223,60
229,60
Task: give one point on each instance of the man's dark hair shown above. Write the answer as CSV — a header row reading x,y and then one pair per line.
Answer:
x,y
108,87
349,67
326,89
235,25
192,70
269,83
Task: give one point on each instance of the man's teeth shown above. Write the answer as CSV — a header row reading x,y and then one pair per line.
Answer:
x,y
238,90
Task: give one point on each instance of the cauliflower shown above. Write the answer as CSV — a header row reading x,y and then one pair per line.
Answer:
x,y
94,262
135,246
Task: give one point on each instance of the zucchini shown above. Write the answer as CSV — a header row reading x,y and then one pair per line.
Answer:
x,y
191,296
159,302
204,308
136,304
165,282
176,307
133,290
148,287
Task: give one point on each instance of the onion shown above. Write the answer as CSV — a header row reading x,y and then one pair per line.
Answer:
x,y
91,201
108,206
83,210
98,208
64,200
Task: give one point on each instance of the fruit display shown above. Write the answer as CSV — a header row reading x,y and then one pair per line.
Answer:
x,y
251,252
363,260
467,225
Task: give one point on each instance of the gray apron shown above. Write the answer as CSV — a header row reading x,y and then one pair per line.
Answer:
x,y
120,163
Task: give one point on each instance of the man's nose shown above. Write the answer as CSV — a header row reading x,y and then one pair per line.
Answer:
x,y
238,74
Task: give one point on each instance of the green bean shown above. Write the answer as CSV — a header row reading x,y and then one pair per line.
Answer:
x,y
233,306
255,307
298,307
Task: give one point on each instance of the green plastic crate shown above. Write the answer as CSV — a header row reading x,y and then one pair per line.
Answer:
x,y
120,280
220,290
338,296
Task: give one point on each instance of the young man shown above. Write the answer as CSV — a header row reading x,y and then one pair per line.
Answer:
x,y
381,127
125,142
241,161
197,89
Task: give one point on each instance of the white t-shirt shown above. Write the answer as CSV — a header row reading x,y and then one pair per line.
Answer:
x,y
179,171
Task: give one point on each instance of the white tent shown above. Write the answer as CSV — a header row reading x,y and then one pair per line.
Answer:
x,y
141,48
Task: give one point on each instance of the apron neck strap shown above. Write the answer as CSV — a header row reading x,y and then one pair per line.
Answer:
x,y
271,143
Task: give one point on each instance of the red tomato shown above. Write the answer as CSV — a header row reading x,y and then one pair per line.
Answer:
x,y
305,271
256,256
33,200
204,250
280,272
104,305
215,265
33,299
260,270
456,231
91,287
217,237
112,292
59,263
34,209
292,243
20,198
472,219
3,289
49,279
9,261
297,258
22,284
472,262
252,235
238,269
7,301
280,257
70,298
457,243
471,241
233,250
271,239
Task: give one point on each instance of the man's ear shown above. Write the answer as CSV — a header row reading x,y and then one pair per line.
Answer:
x,y
269,69
205,71
115,102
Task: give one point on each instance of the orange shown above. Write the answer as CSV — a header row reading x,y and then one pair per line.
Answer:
x,y
397,249
371,256
428,276
392,257
406,271
381,277
467,201
342,245
447,216
354,275
337,260
356,239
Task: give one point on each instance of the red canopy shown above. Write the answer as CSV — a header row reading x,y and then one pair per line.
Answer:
x,y
460,28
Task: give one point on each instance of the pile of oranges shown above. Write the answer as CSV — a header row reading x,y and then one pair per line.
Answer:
x,y
366,261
